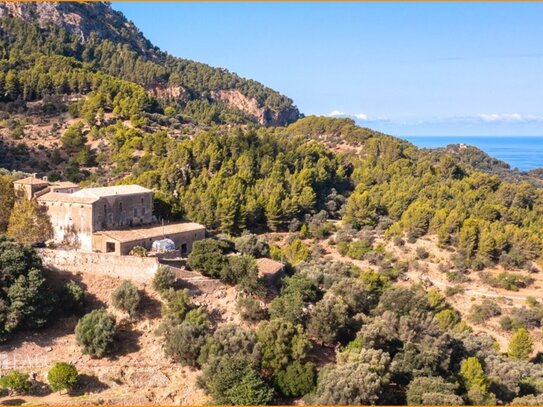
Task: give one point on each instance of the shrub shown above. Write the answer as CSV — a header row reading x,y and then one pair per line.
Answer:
x,y
512,281
328,319
357,250
233,380
72,297
528,317
281,343
164,279
252,245
62,376
243,270
183,344
208,257
480,313
126,297
250,309
177,305
95,332
507,280
296,252
421,253
230,340
398,241
296,379
15,382
138,251
452,291
508,324
422,388
348,384
198,318
447,319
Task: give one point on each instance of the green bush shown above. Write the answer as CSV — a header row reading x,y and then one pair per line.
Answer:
x,y
176,306
296,379
15,382
95,332
126,297
62,376
250,309
480,313
233,380
164,279
72,297
139,251
183,344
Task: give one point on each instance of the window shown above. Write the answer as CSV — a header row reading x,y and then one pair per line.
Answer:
x,y
143,211
135,212
105,208
183,248
120,206
110,247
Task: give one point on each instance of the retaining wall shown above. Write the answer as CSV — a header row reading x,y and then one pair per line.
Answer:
x,y
130,267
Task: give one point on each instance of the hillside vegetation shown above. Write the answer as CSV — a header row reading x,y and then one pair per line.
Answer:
x,y
390,251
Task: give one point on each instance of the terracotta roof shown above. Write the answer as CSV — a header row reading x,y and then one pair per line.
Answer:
x,y
150,232
30,181
110,191
268,266
65,198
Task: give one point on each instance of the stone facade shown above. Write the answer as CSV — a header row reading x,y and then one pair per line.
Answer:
x,y
77,216
108,219
123,241
33,187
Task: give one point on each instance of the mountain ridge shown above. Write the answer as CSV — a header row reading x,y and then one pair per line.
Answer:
x,y
111,43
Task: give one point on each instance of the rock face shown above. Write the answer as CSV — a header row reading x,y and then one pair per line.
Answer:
x,y
263,116
175,94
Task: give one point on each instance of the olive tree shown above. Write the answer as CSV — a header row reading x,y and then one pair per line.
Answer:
x,y
95,332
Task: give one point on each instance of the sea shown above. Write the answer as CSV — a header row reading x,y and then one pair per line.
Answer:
x,y
522,152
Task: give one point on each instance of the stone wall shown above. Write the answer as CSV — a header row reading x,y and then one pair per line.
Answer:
x,y
130,267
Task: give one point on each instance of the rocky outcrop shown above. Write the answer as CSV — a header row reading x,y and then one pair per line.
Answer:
x,y
175,94
262,115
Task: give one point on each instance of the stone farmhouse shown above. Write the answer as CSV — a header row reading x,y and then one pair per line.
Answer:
x,y
107,219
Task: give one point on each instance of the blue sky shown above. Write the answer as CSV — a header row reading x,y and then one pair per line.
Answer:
x,y
404,68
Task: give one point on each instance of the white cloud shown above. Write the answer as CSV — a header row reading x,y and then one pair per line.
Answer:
x,y
361,116
339,113
508,118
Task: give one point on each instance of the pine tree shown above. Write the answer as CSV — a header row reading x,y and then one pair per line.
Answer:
x,y
521,345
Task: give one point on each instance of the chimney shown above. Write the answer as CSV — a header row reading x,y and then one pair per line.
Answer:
x,y
34,174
